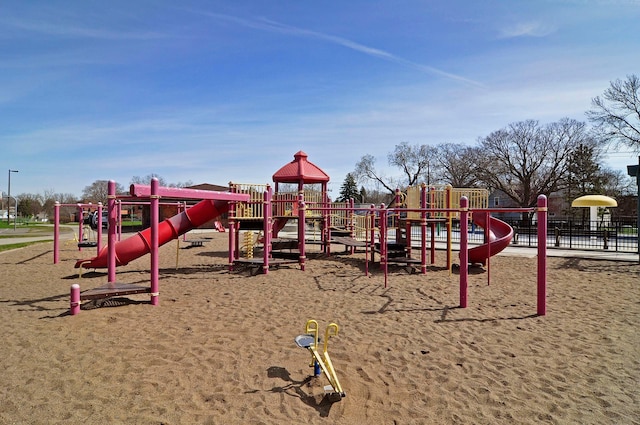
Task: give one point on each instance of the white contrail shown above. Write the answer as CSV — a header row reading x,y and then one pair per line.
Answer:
x,y
272,26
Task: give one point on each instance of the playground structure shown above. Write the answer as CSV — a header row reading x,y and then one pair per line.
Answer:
x,y
343,223
148,241
381,230
321,362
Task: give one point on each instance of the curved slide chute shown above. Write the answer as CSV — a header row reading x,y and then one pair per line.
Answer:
x,y
140,244
500,235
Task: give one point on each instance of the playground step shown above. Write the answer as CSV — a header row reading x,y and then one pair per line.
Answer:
x,y
113,289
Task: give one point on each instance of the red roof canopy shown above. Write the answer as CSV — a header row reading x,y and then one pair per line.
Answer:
x,y
300,170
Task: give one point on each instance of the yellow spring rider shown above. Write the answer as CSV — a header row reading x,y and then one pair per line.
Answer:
x,y
311,340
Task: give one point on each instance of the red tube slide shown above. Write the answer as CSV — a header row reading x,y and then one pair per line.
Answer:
x,y
140,244
500,234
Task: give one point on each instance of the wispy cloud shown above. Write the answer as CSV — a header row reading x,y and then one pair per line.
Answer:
x,y
527,29
72,31
264,24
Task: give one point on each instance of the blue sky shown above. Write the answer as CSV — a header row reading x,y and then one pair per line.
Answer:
x,y
219,91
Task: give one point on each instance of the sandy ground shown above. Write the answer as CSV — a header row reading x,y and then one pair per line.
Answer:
x,y
219,348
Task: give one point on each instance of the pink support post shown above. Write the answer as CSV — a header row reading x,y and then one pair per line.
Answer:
x,y
56,233
542,255
155,218
232,230
397,204
448,206
268,230
372,232
74,305
325,235
111,238
327,231
432,202
423,229
488,242
352,224
464,251
383,242
302,210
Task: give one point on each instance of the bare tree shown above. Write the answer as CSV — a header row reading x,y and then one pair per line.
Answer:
x,y
617,113
456,164
412,160
98,191
147,180
525,159
366,171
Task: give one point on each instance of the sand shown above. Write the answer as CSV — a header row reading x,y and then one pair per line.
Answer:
x,y
219,348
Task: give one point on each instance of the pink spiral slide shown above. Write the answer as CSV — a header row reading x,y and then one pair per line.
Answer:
x,y
500,235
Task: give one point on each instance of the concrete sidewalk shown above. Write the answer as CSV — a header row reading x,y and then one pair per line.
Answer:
x,y
530,252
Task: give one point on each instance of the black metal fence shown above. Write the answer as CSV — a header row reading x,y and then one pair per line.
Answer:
x,y
618,236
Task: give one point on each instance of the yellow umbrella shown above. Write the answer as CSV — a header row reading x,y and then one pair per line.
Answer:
x,y
594,201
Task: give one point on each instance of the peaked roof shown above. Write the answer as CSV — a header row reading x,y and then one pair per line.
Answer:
x,y
300,169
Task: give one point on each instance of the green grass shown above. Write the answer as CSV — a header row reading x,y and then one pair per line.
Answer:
x,y
18,245
21,235
131,223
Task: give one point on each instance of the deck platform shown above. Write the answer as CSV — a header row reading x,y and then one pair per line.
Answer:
x,y
113,289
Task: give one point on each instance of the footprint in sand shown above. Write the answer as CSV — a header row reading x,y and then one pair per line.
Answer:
x,y
364,375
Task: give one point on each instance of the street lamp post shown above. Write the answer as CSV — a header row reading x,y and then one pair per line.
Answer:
x,y
9,200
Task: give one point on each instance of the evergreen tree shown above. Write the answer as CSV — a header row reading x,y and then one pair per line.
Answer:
x,y
349,189
584,175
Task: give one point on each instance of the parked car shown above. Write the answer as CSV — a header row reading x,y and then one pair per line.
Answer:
x,y
93,217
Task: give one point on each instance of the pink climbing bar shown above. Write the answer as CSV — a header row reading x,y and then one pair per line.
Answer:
x,y
542,255
464,252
